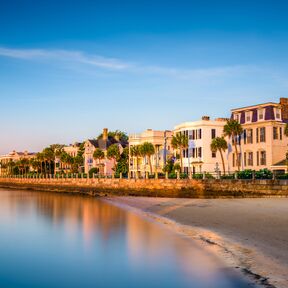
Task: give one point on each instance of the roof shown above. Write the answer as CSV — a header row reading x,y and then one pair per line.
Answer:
x,y
104,144
281,163
255,106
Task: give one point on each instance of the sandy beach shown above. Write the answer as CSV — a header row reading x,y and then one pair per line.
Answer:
x,y
251,234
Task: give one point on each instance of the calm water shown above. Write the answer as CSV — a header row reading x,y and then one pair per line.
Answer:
x,y
50,240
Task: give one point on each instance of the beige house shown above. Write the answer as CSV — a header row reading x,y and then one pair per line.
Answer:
x,y
263,143
72,150
13,156
199,158
162,144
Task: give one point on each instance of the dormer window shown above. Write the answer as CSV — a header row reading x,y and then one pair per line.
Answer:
x,y
277,113
261,114
237,117
248,117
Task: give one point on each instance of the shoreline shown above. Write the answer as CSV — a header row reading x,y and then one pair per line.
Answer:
x,y
257,264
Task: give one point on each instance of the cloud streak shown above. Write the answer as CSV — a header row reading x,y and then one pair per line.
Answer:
x,y
64,55
112,64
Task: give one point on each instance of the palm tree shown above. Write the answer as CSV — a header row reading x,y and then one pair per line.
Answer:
x,y
113,152
180,142
136,152
147,150
98,155
49,157
40,158
233,129
219,144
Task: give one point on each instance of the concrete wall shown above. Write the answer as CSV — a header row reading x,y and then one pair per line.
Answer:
x,y
157,188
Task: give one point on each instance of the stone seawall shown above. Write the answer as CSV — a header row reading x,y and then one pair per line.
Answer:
x,y
154,187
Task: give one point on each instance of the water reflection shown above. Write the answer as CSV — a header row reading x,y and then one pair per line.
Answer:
x,y
54,240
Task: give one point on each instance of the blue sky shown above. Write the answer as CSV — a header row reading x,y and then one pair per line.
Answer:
x,y
70,68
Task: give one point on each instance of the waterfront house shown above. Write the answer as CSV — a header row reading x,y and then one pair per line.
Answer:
x,y
199,158
71,150
13,156
263,143
161,141
105,165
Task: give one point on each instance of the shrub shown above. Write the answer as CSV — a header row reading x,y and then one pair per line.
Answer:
x,y
208,176
263,174
93,171
197,176
172,175
282,176
245,174
230,176
183,175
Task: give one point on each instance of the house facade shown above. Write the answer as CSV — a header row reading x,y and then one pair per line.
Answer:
x,y
199,158
161,141
13,156
105,165
263,143
71,150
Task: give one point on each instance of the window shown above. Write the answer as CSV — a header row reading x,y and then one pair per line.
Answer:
x,y
262,157
261,114
250,159
275,133
199,133
199,152
249,135
244,135
277,112
237,117
233,160
248,117
213,154
262,134
245,162
193,152
280,132
213,133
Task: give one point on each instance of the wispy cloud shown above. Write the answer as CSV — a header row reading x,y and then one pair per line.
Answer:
x,y
112,64
64,55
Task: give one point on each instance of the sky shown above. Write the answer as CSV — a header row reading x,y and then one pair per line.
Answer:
x,y
69,68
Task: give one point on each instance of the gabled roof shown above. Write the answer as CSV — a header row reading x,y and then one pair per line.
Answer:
x,y
104,144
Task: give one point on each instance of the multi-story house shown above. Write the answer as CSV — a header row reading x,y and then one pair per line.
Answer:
x,y
13,156
199,158
71,150
105,165
263,143
161,141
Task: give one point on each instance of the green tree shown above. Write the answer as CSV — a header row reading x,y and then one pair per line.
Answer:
x,y
40,159
135,151
180,142
122,164
49,157
147,150
219,144
98,155
113,152
233,129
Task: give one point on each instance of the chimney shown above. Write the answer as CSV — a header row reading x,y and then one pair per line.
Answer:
x,y
284,108
206,118
105,134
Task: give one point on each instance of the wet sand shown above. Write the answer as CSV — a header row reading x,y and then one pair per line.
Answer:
x,y
251,234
